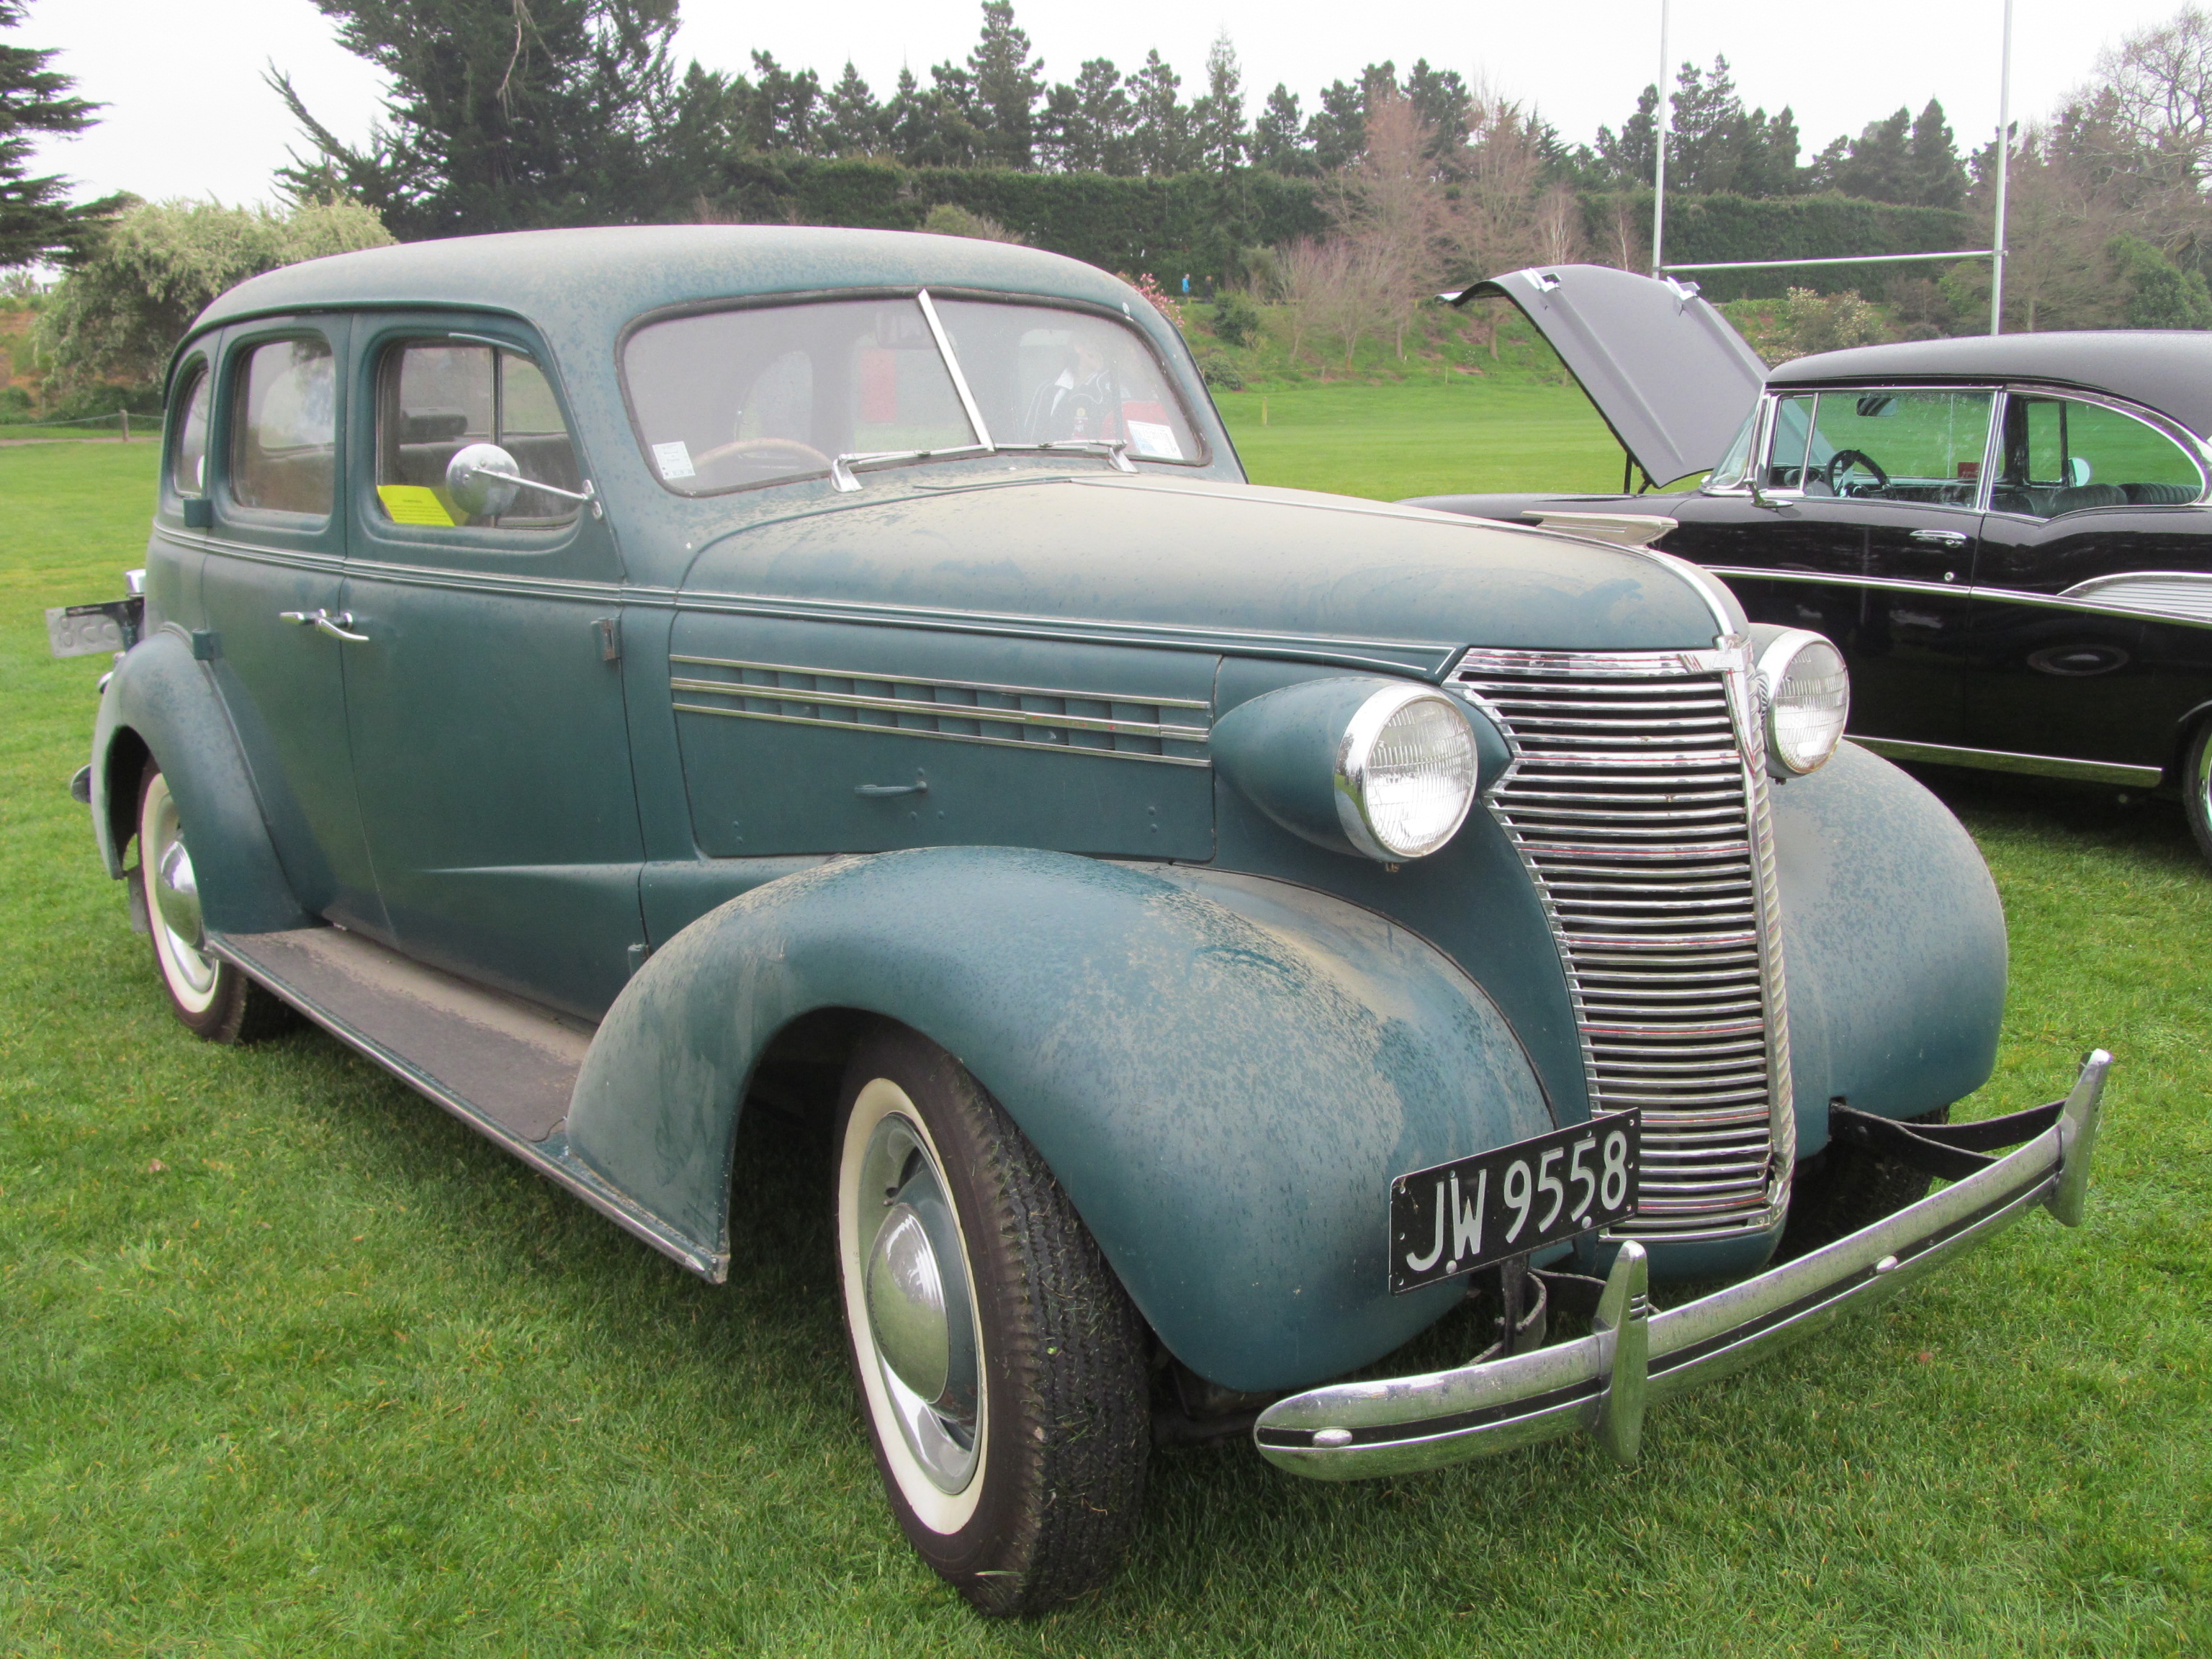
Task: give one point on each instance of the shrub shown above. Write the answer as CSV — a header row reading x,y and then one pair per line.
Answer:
x,y
950,219
1220,371
1235,318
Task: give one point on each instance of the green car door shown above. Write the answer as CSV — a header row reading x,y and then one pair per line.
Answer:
x,y
483,683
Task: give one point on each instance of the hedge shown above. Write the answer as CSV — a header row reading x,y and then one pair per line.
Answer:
x,y
1200,223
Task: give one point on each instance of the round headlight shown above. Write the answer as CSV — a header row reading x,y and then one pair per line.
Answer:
x,y
1809,699
1404,772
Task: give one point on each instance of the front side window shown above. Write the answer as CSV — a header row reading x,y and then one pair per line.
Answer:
x,y
728,399
287,428
1910,446
188,466
2065,455
434,398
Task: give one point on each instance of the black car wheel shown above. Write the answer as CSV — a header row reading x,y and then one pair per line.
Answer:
x,y
2197,787
1001,1364
212,997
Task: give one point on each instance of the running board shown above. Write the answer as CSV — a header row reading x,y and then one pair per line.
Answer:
x,y
504,1066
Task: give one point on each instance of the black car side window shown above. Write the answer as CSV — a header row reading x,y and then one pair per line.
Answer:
x,y
435,398
2066,455
285,427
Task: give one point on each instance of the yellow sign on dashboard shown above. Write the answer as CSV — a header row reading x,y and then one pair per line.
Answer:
x,y
414,504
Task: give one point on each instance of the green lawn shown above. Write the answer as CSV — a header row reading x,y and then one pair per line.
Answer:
x,y
291,1364
1427,437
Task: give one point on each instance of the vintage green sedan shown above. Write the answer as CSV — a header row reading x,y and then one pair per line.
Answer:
x,y
619,679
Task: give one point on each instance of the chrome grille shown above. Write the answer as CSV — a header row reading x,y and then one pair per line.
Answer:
x,y
1638,799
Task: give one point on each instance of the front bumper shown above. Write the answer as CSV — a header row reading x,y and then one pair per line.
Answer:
x,y
1602,1383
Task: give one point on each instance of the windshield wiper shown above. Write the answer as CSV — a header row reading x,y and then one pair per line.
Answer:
x,y
840,469
1115,450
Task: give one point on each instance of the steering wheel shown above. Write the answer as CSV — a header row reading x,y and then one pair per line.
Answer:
x,y
1842,462
806,454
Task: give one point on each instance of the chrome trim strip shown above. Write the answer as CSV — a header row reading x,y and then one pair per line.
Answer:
x,y
979,713
948,737
1999,760
952,366
2069,600
957,685
550,1157
1427,658
1355,1430
2189,599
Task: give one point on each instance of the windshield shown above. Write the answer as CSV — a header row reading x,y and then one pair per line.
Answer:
x,y
1730,471
732,400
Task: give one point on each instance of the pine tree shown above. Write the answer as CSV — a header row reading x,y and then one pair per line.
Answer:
x,y
1632,157
1160,126
1936,178
503,114
1278,137
1008,82
853,123
1218,117
36,219
1875,165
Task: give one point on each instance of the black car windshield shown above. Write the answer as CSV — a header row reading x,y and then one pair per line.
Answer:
x,y
730,400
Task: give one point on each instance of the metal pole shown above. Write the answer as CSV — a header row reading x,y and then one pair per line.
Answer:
x,y
1666,119
2004,153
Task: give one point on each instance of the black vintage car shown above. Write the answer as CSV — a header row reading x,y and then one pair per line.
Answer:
x,y
2008,537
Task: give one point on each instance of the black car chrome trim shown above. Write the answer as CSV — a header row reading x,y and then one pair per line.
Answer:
x,y
2072,600
2000,760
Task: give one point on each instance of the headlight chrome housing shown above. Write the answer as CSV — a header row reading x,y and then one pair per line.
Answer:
x,y
1405,773
1809,699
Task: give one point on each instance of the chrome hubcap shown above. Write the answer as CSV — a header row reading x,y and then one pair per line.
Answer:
x,y
174,892
920,1317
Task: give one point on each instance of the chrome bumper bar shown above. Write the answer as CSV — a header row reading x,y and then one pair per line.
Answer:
x,y
1602,1383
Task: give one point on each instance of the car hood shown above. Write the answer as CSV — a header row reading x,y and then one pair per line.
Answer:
x,y
1669,374
1211,566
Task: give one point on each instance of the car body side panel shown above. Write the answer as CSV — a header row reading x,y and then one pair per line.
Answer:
x,y
169,701
1892,940
1223,1073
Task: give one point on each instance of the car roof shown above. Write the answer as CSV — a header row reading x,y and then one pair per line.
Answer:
x,y
2168,370
611,274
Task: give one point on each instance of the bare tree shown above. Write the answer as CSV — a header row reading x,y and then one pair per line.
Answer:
x,y
1559,226
1308,273
1392,206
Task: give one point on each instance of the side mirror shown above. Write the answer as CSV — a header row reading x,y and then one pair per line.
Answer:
x,y
483,479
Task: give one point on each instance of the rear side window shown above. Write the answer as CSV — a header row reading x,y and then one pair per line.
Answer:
x,y
188,466
434,398
2063,455
287,428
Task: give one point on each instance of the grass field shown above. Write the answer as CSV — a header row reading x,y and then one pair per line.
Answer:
x,y
291,1364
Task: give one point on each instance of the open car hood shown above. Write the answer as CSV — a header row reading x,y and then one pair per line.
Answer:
x,y
1670,376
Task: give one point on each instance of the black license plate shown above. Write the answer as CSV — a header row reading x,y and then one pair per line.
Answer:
x,y
1474,1211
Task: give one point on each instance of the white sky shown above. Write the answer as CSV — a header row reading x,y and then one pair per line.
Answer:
x,y
188,115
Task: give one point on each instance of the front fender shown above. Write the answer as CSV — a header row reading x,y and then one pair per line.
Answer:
x,y
1223,1073
1892,943
163,697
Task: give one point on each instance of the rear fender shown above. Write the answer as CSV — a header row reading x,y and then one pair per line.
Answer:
x,y
160,701
1892,944
1223,1073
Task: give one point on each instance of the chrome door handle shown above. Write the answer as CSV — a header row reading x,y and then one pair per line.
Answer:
x,y
323,622
1940,537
